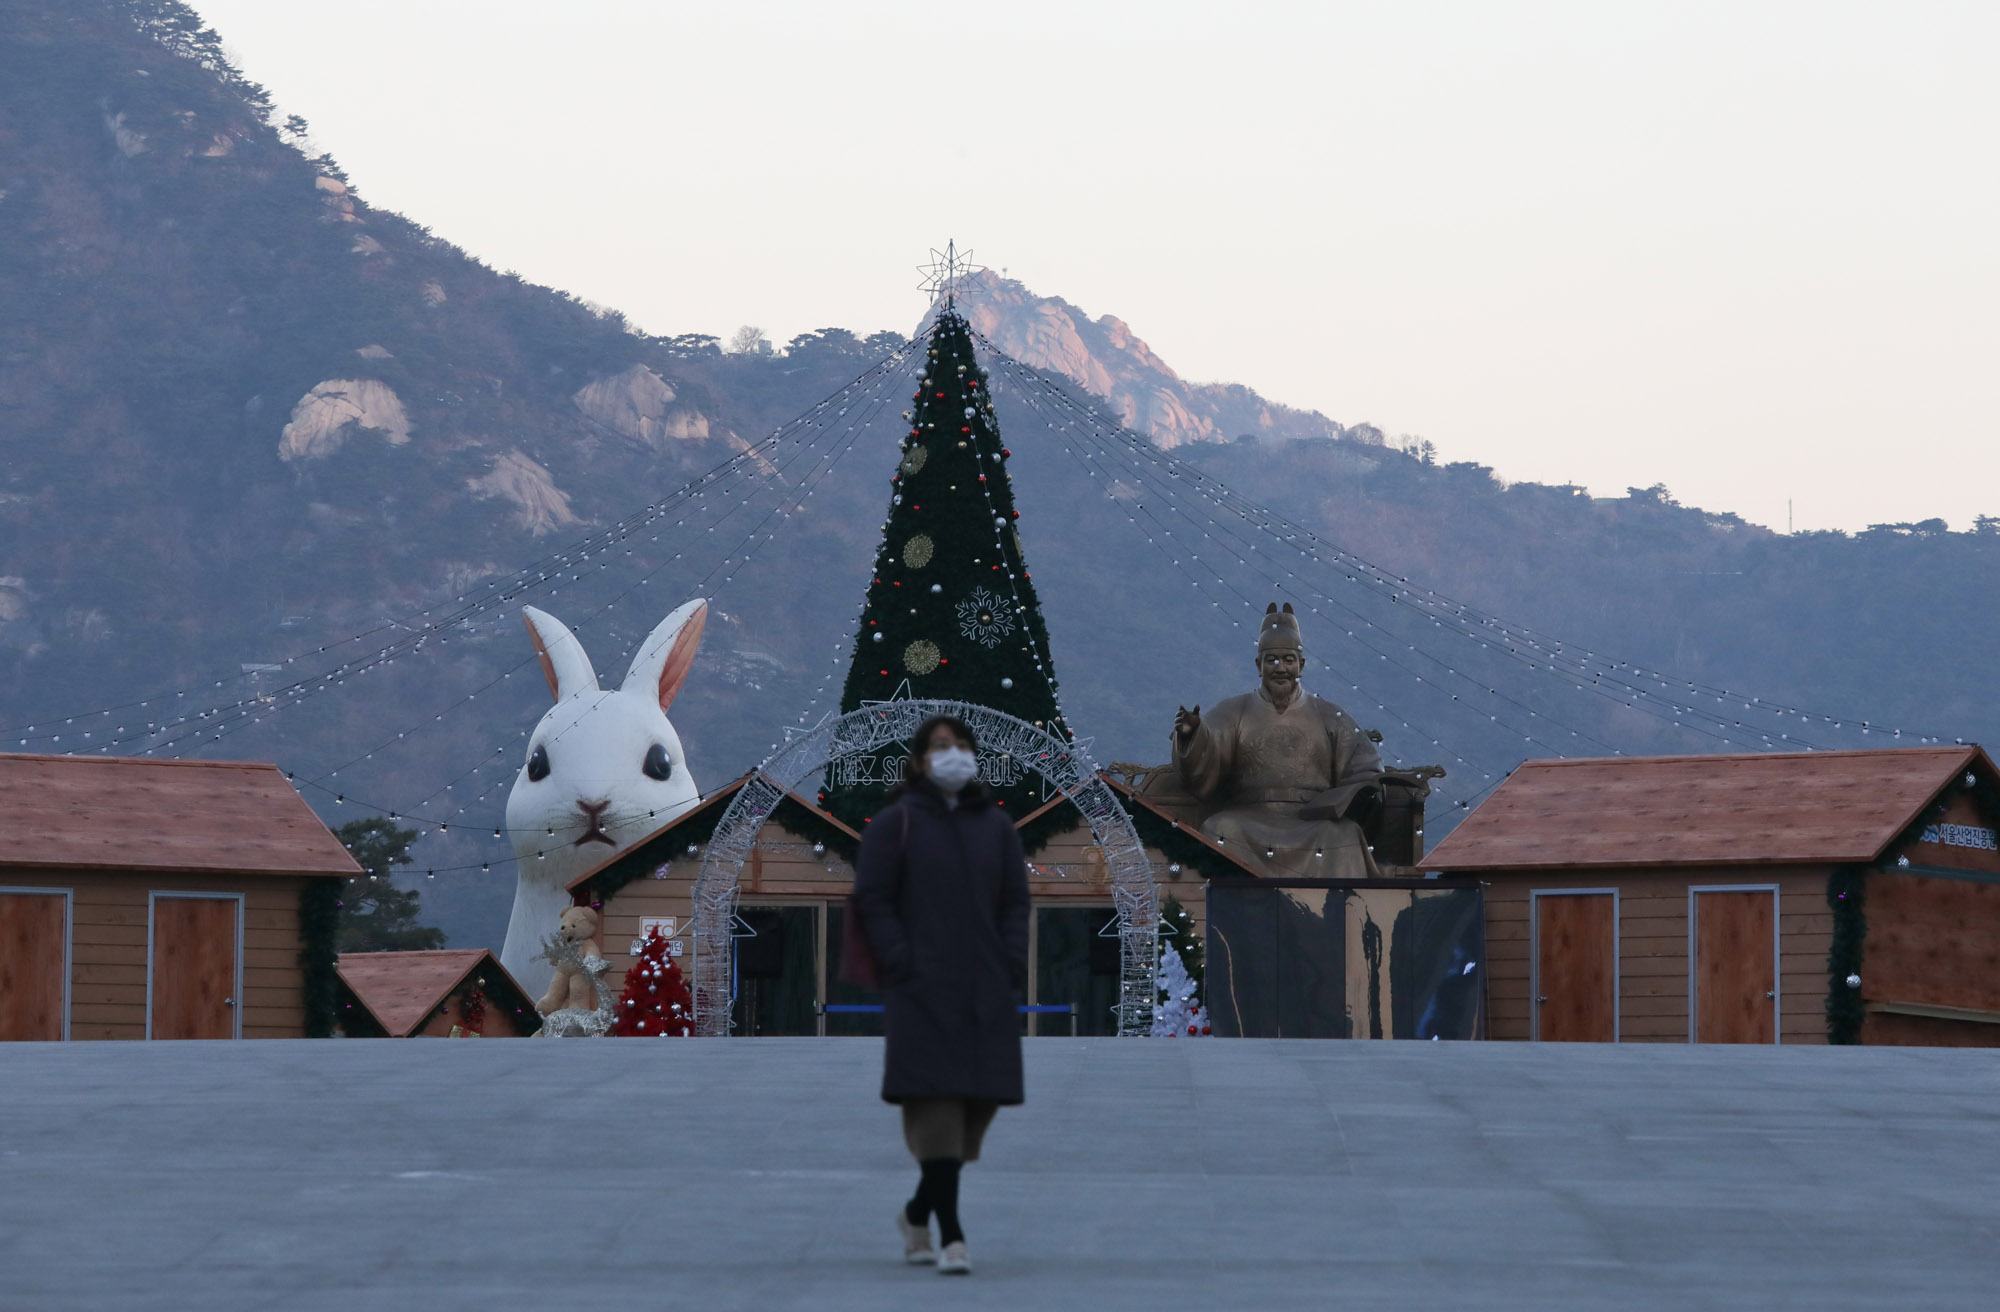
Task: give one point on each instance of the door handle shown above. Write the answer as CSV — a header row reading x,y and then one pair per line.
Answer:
x,y
1540,1001
229,1002
1771,993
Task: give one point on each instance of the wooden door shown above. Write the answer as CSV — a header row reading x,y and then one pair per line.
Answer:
x,y
1576,967
194,981
1733,977
34,964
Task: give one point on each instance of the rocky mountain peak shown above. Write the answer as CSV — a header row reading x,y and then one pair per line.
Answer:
x,y
1108,359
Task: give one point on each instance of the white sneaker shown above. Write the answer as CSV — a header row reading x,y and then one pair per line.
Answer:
x,y
955,1262
917,1250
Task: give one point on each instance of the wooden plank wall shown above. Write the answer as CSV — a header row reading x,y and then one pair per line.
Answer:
x,y
1068,871
1933,941
108,948
1653,948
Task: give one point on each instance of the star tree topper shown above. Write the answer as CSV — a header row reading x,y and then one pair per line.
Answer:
x,y
946,269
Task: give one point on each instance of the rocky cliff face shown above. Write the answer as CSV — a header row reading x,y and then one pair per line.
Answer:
x,y
1106,358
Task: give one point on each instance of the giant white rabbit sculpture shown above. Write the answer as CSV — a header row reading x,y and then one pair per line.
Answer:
x,y
604,769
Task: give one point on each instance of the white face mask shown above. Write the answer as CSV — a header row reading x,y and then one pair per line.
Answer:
x,y
951,768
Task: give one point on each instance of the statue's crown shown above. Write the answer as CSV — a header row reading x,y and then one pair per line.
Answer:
x,y
1280,630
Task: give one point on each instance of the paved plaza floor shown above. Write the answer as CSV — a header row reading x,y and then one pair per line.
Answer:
x,y
1154,1174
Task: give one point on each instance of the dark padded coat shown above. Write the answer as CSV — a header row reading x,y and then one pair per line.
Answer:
x,y
946,913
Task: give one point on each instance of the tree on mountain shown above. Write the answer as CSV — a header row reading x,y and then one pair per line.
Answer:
x,y
693,346
375,915
748,340
951,612
833,341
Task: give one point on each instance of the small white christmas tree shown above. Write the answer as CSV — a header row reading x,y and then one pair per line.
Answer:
x,y
1177,1014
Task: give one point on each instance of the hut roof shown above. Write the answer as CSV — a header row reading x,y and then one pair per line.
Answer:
x,y
1752,809
1160,825
125,813
402,989
701,817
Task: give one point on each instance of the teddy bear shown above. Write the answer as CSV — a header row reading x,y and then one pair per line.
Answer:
x,y
572,988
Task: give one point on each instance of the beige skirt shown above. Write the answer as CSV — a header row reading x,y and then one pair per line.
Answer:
x,y
946,1127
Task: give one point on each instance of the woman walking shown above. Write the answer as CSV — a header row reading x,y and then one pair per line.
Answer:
x,y
941,892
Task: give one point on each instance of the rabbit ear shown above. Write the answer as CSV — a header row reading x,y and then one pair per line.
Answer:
x,y
564,663
665,658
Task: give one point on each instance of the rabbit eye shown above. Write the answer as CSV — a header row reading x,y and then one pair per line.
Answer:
x,y
657,765
538,765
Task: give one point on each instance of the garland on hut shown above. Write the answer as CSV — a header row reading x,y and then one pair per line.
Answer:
x,y
1178,844
1847,895
319,954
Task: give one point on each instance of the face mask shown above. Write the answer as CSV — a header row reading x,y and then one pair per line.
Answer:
x,y
951,768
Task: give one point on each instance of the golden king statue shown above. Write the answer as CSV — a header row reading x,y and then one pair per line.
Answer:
x,y
1294,778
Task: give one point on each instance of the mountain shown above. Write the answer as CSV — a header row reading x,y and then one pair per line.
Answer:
x,y
246,416
244,410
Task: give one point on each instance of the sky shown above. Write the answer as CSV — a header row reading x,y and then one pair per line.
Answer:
x,y
1747,250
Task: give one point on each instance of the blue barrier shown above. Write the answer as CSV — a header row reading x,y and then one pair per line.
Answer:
x,y
867,1008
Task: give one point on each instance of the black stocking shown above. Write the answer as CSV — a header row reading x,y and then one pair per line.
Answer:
x,y
939,1193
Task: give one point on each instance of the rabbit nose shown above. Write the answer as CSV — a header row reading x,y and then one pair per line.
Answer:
x,y
592,809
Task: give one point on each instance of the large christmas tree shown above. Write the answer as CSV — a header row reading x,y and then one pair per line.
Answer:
x,y
951,611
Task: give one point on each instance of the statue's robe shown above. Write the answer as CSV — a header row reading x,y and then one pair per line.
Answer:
x,y
1283,778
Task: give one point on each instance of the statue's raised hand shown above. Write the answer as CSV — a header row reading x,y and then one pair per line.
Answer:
x,y
1186,723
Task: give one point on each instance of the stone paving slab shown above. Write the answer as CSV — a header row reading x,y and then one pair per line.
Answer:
x,y
1154,1174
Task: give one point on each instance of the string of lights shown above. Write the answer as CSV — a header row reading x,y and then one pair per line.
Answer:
x,y
418,628
1307,586
1614,679
1290,583
874,386
1211,535
865,413
863,416
1246,552
859,414
1175,558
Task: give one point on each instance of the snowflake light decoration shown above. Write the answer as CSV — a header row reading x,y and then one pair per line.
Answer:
x,y
983,618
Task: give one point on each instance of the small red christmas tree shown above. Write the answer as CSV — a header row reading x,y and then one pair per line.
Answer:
x,y
656,1001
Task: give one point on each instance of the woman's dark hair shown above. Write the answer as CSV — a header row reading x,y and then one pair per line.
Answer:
x,y
920,741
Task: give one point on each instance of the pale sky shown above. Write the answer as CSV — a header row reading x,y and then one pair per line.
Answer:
x,y
1747,250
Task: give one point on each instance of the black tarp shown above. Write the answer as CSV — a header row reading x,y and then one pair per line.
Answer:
x,y
1334,959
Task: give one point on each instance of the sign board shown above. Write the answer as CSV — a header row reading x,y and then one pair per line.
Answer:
x,y
1961,836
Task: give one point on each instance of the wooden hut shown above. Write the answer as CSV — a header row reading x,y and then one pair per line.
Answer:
x,y
1850,896
430,994
163,899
